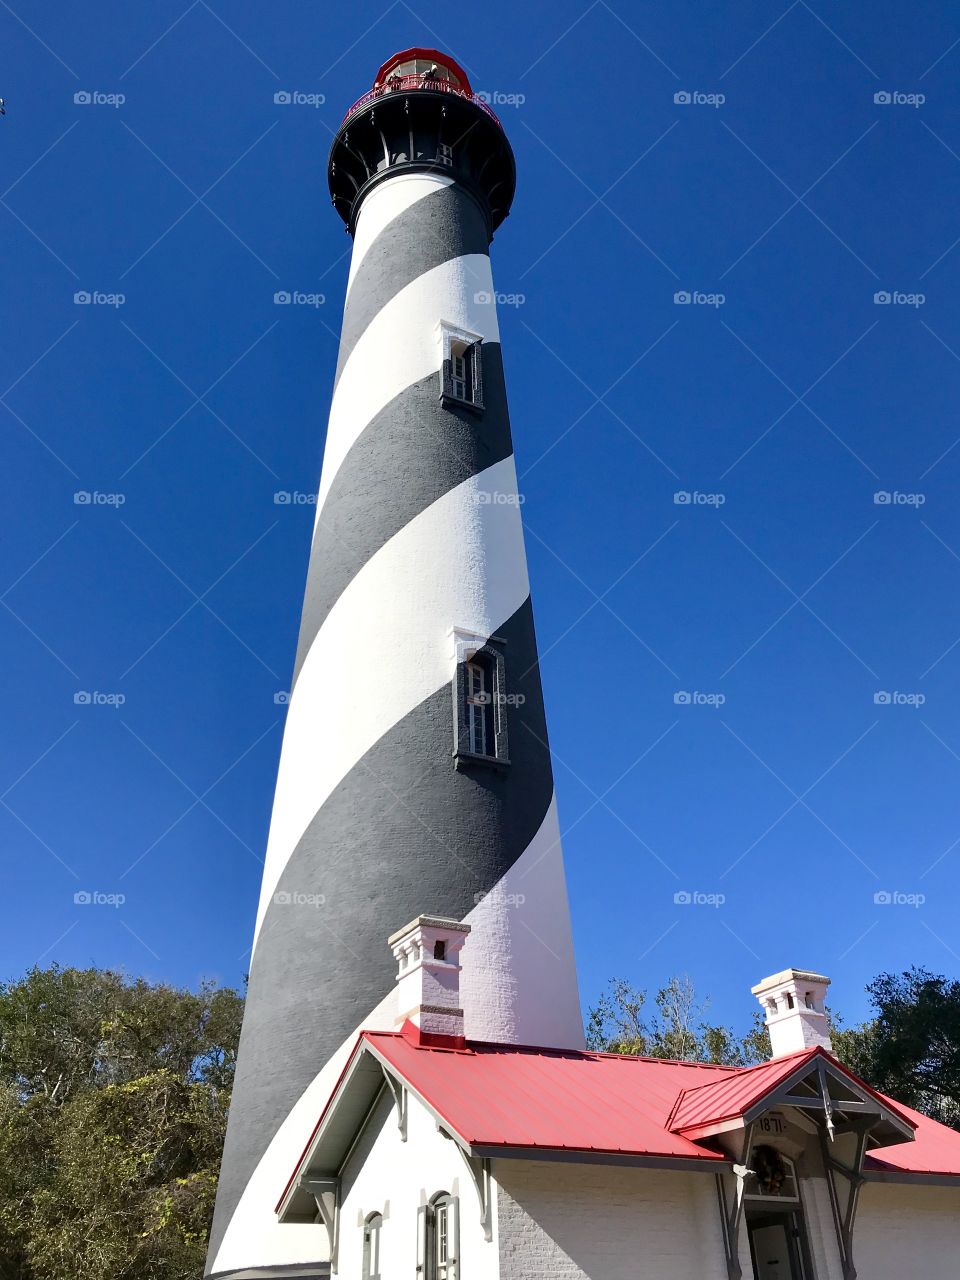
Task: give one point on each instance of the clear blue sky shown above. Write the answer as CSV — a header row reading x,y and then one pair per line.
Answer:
x,y
797,399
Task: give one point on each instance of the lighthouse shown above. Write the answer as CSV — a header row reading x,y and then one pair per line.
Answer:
x,y
415,770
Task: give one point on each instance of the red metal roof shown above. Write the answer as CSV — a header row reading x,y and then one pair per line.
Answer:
x,y
515,1096
724,1099
935,1149
729,1098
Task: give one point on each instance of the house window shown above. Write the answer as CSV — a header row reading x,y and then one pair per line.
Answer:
x,y
480,706
371,1246
438,1245
461,378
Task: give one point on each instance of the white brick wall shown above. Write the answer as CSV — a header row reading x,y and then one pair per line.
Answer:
x,y
908,1231
392,1177
570,1222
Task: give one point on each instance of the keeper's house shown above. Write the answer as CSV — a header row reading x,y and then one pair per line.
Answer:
x,y
440,1157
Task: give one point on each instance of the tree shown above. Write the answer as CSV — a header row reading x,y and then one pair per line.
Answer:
x,y
678,1029
113,1104
911,1049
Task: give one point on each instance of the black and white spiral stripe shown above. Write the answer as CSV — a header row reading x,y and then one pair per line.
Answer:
x,y
370,815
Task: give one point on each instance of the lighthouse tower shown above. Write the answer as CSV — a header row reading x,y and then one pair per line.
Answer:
x,y
415,773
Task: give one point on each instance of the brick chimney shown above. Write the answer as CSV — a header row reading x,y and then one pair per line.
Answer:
x,y
793,1004
427,951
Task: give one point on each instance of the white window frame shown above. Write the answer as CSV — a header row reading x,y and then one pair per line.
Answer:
x,y
442,1211
372,1226
469,397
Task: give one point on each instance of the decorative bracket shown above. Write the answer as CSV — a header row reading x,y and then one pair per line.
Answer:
x,y
730,1214
326,1192
844,1219
482,1180
399,1101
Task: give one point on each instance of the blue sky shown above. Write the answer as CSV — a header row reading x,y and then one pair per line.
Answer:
x,y
783,397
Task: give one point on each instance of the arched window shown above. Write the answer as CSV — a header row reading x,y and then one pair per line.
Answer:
x,y
371,1246
438,1243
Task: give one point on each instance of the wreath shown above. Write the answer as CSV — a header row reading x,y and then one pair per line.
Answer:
x,y
769,1170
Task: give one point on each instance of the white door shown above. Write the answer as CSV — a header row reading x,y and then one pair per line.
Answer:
x,y
771,1253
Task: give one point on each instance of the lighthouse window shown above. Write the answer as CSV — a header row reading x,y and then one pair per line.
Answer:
x,y
461,381
480,710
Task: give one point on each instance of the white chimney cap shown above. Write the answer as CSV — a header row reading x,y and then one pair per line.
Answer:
x,y
793,1001
427,951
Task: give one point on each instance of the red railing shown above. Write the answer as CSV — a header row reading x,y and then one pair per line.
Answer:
x,y
398,84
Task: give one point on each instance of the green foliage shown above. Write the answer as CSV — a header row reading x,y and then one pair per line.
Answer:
x,y
676,1029
113,1104
911,1049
